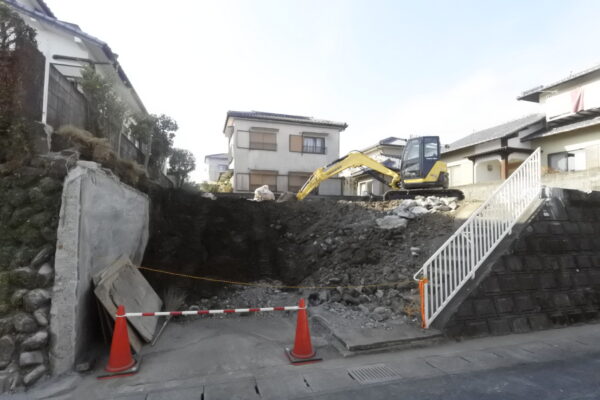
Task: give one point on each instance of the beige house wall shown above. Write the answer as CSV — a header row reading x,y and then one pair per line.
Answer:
x,y
460,168
586,138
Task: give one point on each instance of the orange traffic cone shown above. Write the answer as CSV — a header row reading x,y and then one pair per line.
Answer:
x,y
120,361
303,351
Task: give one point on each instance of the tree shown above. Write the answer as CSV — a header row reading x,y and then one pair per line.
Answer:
x,y
106,110
181,163
14,32
159,130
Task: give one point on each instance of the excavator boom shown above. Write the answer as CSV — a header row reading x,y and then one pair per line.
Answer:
x,y
352,160
422,172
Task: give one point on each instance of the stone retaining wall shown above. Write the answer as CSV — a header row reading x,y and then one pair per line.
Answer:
x,y
29,208
550,278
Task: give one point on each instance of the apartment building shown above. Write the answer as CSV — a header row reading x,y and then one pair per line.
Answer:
x,y
280,150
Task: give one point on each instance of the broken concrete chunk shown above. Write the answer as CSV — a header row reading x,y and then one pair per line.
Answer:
x,y
391,222
419,210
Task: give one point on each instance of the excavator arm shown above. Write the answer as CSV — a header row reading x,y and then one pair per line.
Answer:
x,y
352,160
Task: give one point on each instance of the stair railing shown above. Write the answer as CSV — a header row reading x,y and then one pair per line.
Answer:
x,y
456,261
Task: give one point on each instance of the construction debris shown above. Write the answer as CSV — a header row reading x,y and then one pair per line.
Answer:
x,y
123,284
354,259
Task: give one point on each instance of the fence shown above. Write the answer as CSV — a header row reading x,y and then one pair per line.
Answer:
x,y
457,260
66,105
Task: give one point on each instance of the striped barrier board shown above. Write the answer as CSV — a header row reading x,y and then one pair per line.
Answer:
x,y
206,312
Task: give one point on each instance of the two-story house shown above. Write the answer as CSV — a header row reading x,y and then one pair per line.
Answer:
x,y
571,140
280,150
215,165
67,50
360,181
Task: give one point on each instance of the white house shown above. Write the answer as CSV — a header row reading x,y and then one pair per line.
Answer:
x,y
67,50
360,181
215,165
571,140
280,150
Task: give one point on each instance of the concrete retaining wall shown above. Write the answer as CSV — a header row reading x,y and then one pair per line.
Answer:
x,y
101,219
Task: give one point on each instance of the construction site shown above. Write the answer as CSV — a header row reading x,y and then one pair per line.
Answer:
x,y
291,265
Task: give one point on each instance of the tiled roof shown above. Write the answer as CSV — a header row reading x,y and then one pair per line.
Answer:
x,y
267,116
495,132
534,93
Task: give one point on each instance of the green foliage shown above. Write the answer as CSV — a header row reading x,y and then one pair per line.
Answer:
x,y
209,187
225,182
181,163
159,130
106,111
14,32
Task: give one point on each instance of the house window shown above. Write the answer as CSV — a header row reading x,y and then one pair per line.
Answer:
x,y
260,178
263,140
567,161
296,180
313,145
222,167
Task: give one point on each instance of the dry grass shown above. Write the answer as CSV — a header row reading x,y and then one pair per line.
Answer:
x,y
99,150
174,298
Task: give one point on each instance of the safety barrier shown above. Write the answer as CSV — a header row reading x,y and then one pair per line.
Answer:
x,y
122,363
449,268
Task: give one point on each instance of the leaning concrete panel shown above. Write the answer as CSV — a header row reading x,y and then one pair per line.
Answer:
x,y
101,219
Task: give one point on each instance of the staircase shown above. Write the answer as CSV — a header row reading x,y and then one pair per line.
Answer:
x,y
456,261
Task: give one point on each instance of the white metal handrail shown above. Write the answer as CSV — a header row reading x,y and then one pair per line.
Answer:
x,y
450,267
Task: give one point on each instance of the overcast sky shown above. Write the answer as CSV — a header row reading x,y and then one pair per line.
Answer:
x,y
387,68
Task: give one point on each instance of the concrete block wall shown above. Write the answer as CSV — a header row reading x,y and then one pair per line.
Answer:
x,y
550,277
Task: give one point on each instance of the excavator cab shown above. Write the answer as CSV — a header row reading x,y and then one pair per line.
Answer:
x,y
421,165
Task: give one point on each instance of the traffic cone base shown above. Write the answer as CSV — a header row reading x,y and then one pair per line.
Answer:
x,y
119,374
302,352
299,361
120,361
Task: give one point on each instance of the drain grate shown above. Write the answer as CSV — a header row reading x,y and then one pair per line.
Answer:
x,y
373,374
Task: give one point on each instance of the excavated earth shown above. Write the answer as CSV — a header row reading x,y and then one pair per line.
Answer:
x,y
353,259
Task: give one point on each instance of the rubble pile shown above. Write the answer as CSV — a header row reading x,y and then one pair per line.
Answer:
x,y
353,259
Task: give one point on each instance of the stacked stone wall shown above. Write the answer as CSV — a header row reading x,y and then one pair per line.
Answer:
x,y
550,278
30,199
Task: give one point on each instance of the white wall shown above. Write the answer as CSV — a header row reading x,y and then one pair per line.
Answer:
x,y
487,169
214,167
460,168
283,160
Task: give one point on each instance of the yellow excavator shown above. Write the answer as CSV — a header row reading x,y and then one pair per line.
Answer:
x,y
421,172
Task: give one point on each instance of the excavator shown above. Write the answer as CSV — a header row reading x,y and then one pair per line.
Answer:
x,y
421,173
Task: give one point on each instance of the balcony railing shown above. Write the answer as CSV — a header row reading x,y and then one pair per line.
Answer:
x,y
314,149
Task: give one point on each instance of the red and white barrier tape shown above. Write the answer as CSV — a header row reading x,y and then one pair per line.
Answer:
x,y
205,312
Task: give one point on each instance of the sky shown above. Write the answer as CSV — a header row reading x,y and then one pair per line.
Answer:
x,y
386,68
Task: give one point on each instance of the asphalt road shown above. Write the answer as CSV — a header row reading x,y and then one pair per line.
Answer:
x,y
577,378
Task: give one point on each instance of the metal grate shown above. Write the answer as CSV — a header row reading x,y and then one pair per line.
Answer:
x,y
373,374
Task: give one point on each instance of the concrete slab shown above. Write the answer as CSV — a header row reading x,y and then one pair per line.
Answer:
x,y
245,389
282,387
415,368
178,394
486,359
329,380
354,338
451,364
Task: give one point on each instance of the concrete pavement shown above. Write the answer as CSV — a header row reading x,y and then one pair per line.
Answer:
x,y
242,358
